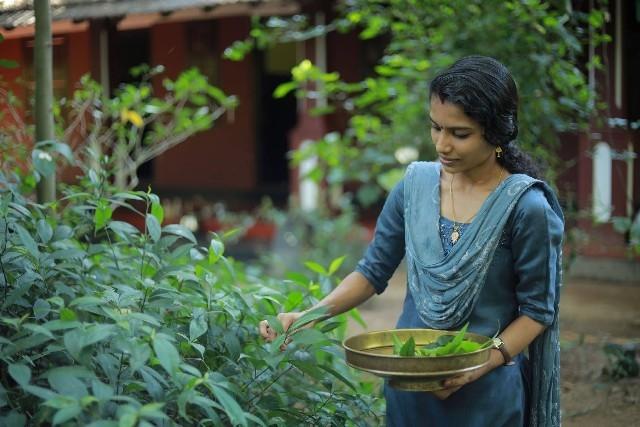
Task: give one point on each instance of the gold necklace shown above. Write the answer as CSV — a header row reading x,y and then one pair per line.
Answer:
x,y
455,233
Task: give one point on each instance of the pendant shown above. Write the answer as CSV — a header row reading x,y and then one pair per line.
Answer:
x,y
455,235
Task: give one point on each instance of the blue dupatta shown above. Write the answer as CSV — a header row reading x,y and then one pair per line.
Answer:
x,y
446,288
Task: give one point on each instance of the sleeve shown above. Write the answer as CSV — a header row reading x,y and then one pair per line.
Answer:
x,y
536,245
386,250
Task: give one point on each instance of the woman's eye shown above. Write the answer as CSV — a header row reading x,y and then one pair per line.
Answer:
x,y
436,128
461,135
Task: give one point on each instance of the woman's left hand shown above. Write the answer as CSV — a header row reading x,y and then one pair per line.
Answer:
x,y
454,384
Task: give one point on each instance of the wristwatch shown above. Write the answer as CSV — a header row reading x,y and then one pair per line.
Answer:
x,y
498,344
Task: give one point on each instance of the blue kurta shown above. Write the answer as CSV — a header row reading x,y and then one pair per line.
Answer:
x,y
518,283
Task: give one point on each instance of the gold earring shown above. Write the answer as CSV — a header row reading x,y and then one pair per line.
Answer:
x,y
498,152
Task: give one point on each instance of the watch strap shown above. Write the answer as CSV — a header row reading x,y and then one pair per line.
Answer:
x,y
498,344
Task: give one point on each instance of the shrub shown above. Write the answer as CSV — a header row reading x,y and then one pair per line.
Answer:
x,y
622,361
104,325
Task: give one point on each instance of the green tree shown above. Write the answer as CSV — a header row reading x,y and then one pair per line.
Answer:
x,y
540,41
117,133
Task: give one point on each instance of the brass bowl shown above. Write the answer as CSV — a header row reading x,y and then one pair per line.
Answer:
x,y
373,352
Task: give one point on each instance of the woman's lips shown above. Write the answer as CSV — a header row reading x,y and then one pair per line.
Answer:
x,y
447,162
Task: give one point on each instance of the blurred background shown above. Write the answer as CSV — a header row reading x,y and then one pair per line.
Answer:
x,y
283,124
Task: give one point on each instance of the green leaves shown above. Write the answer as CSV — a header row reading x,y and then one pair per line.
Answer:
x,y
45,232
105,326
444,345
102,214
284,89
333,266
153,227
315,267
166,353
41,308
43,158
216,250
77,339
180,230
67,314
406,349
199,324
20,373
230,405
310,316
157,211
43,162
29,243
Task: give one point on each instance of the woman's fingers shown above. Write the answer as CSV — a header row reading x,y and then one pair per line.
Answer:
x,y
287,320
267,331
269,334
466,378
444,393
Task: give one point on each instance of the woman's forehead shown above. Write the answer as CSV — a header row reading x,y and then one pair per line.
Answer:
x,y
451,115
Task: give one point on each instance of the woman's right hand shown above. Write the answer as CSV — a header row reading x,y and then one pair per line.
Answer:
x,y
268,333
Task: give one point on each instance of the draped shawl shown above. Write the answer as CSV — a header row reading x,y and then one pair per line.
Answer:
x,y
446,288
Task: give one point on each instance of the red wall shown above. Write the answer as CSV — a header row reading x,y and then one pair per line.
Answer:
x,y
224,157
12,49
79,63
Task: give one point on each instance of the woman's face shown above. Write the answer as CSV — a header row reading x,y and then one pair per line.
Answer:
x,y
458,139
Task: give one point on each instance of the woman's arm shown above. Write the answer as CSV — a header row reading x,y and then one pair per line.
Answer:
x,y
351,292
382,257
536,244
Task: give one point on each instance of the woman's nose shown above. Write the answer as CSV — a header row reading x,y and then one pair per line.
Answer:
x,y
441,142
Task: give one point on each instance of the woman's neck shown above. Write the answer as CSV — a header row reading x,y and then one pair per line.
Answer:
x,y
484,176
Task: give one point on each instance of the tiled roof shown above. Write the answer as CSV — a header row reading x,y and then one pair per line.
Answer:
x,y
17,13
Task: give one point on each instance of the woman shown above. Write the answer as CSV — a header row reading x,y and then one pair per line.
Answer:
x,y
482,239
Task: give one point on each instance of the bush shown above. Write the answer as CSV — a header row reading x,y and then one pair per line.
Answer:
x,y
622,361
102,324
319,235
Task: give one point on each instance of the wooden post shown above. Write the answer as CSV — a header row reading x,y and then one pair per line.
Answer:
x,y
43,60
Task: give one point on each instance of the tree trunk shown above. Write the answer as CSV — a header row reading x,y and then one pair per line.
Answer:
x,y
43,60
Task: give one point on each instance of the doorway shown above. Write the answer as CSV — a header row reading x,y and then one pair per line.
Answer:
x,y
275,119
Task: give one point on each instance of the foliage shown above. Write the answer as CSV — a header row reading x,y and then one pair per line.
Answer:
x,y
445,345
631,228
320,235
541,42
105,325
131,128
622,361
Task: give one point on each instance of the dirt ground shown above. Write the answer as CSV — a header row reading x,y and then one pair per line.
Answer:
x,y
592,314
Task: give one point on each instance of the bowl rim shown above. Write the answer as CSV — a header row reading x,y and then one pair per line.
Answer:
x,y
394,356
425,375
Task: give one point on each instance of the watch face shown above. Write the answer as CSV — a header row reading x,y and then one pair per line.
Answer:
x,y
497,342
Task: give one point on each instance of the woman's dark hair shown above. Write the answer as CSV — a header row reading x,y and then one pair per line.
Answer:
x,y
486,92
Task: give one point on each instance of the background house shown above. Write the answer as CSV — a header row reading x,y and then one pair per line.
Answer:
x,y
602,176
243,158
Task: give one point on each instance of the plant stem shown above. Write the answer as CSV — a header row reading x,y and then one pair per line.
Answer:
x,y
322,406
144,244
261,393
113,251
119,372
144,299
4,248
255,377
